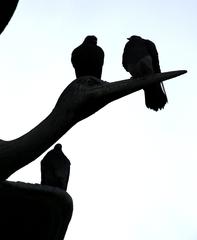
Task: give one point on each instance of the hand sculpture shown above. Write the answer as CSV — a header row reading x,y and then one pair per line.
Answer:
x,y
82,98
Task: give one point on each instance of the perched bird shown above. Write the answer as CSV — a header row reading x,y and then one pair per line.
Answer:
x,y
140,58
88,58
55,168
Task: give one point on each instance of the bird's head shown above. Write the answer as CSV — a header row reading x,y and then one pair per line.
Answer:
x,y
91,40
58,147
134,37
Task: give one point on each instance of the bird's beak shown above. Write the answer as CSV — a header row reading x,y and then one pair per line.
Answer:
x,y
128,38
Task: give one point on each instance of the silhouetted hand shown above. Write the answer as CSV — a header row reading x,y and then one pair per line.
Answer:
x,y
86,95
81,98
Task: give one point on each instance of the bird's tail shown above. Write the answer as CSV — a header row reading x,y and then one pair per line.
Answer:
x,y
155,96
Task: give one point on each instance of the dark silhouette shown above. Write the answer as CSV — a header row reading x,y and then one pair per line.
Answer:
x,y
55,168
88,58
81,98
40,211
33,211
7,9
140,58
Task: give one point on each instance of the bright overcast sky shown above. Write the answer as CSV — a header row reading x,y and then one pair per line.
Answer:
x,y
133,172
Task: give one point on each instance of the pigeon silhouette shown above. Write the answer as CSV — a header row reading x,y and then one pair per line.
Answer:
x,y
140,58
55,168
88,58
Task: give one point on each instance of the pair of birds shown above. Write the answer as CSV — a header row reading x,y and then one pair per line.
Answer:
x,y
139,58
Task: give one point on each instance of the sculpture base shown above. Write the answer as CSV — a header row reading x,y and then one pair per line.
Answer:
x,y
33,211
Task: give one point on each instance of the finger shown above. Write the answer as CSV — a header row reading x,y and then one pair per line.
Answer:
x,y
116,90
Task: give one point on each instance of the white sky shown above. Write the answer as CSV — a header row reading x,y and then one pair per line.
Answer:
x,y
133,172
